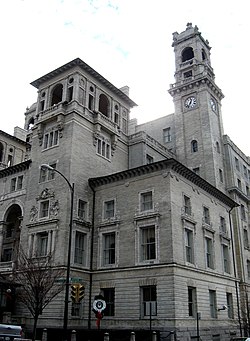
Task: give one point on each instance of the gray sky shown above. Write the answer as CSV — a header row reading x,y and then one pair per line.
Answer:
x,y
129,43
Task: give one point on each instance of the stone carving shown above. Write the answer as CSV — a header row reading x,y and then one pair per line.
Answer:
x,y
33,213
54,210
45,194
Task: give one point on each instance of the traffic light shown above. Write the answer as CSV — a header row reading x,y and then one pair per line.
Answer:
x,y
74,293
81,290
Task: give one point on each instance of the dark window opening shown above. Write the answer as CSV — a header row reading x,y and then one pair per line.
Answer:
x,y
11,234
31,122
104,105
187,54
42,105
57,94
1,152
70,93
203,54
194,146
188,74
109,296
91,102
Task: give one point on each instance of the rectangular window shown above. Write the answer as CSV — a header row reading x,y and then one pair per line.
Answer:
x,y
76,309
187,205
42,244
221,175
82,208
109,248
248,269
225,255
212,303
44,209
209,253
243,212
223,227
247,190
192,301
103,148
13,184
239,184
47,174
230,310
109,209
237,165
19,183
146,201
51,173
109,297
245,238
167,135
7,255
206,215
148,301
189,246
148,246
50,139
245,171
80,248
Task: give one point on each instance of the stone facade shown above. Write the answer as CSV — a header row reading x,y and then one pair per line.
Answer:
x,y
160,211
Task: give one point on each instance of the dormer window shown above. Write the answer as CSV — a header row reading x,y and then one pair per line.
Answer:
x,y
187,54
57,94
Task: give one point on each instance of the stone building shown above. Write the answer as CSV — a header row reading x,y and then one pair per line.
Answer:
x,y
160,218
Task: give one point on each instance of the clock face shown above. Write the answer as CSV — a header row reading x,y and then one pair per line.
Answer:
x,y
213,104
190,102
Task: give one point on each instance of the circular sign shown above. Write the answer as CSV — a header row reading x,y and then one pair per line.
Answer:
x,y
99,305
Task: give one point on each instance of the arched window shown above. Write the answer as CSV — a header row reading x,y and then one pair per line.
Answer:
x,y
31,123
194,146
1,152
104,105
57,94
217,147
187,54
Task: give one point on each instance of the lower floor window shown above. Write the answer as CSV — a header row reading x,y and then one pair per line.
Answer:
x,y
148,301
109,296
76,309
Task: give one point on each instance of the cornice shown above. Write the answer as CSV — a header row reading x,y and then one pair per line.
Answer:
x,y
89,70
170,164
179,87
15,169
14,138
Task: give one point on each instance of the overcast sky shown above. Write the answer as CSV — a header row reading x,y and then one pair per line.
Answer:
x,y
129,43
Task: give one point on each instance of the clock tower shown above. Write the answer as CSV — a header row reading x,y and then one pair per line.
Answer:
x,y
197,99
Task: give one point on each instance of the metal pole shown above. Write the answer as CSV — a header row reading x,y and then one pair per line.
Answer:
x,y
66,301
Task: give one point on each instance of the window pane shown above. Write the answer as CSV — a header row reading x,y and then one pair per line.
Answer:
x,y
109,207
148,243
146,201
80,239
109,248
149,301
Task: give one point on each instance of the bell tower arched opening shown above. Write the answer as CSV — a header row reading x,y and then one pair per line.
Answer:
x,y
57,94
187,54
